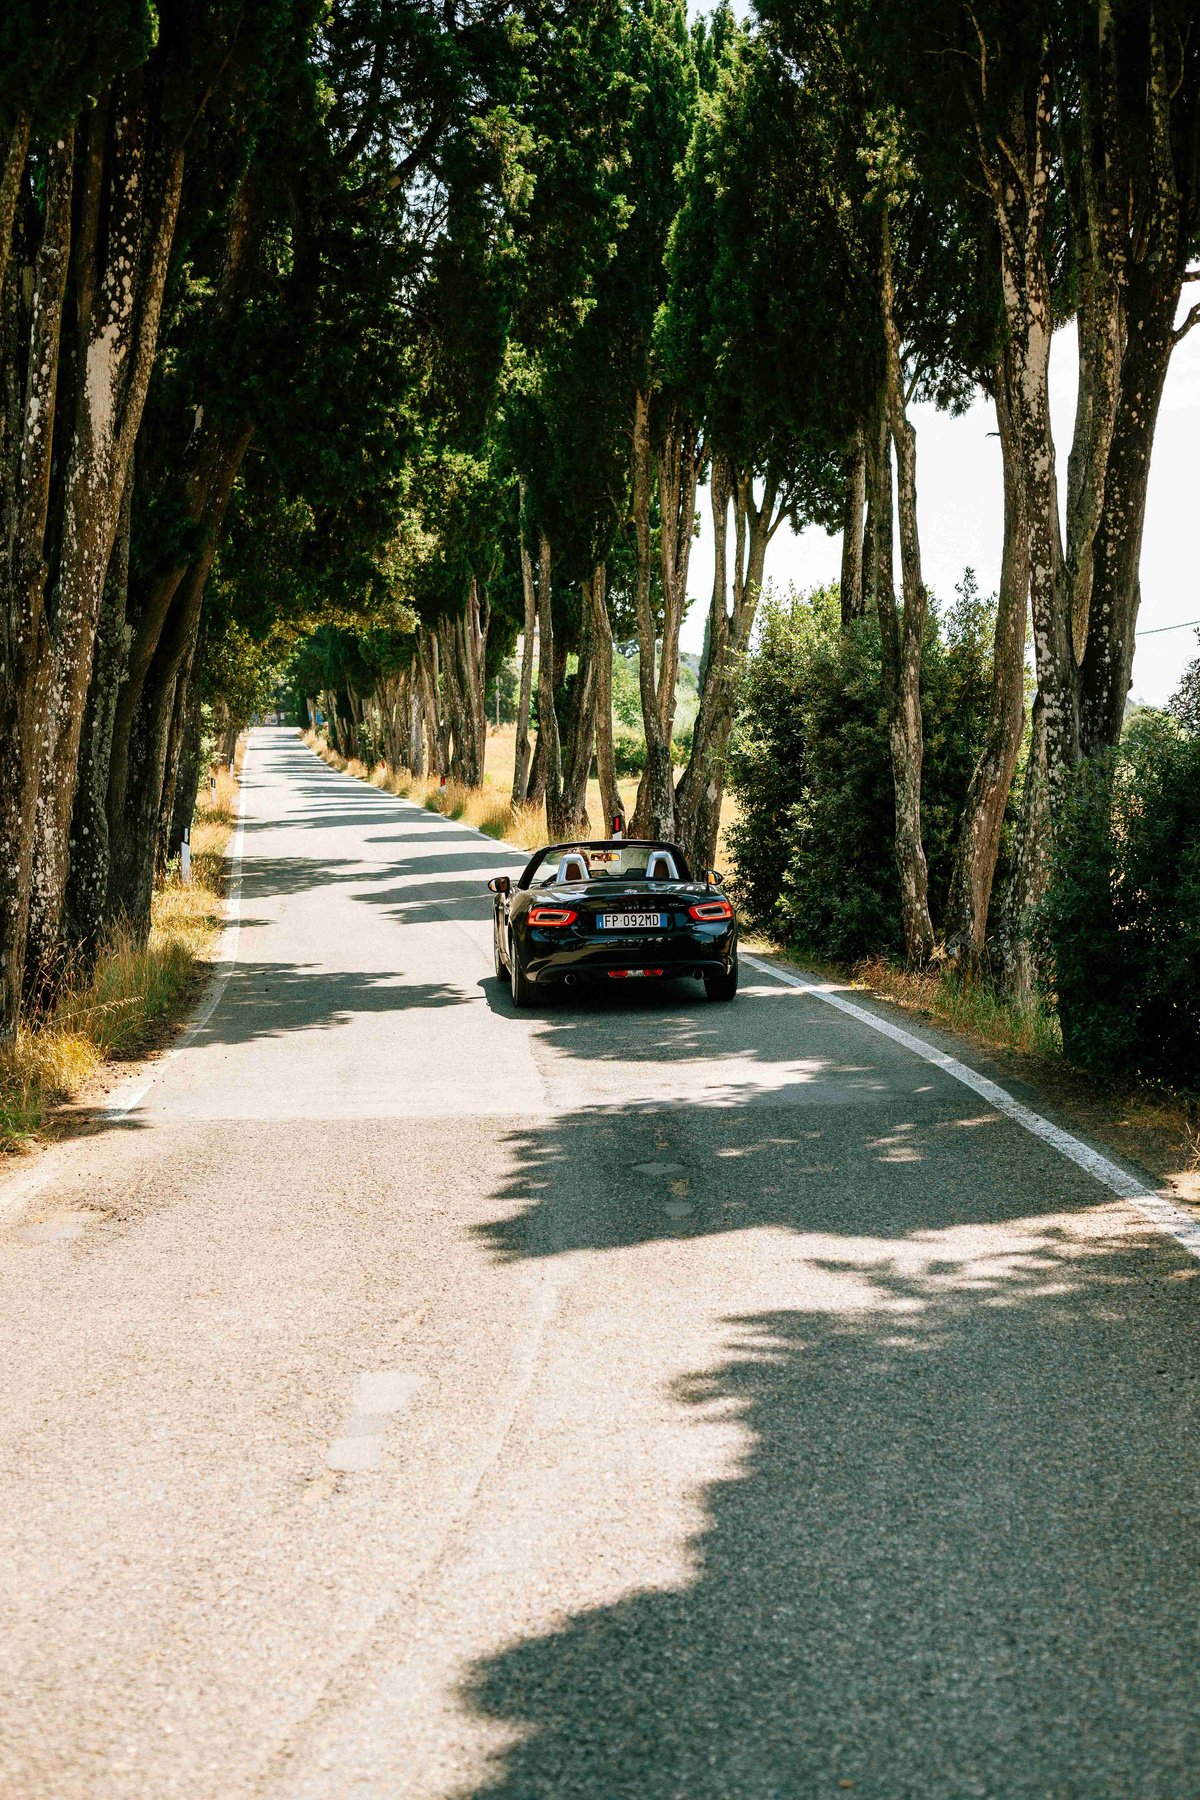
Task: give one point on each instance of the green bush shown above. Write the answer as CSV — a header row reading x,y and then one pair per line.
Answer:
x,y
811,769
627,698
629,751
1119,928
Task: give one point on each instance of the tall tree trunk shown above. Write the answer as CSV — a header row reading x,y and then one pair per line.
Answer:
x,y
868,561
681,456
903,638
1025,281
416,724
1060,581
452,700
1100,198
158,605
1017,171
391,697
118,318
520,787
581,728
134,830
470,643
1027,883
12,167
596,597
537,770
654,813
25,662
987,797
85,912
354,700
187,777
180,714
702,785
338,715
1116,589
853,598
229,737
438,727
693,831
548,742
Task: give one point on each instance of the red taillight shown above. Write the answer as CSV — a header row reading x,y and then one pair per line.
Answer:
x,y
551,915
712,909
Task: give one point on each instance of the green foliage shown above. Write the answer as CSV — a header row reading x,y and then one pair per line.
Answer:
x,y
1119,927
506,682
629,751
768,328
56,59
811,769
627,698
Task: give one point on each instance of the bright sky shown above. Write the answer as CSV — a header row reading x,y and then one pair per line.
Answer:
x,y
960,513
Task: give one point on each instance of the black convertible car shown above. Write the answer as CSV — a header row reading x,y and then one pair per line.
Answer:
x,y
615,909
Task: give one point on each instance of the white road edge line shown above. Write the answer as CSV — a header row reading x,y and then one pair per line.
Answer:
x,y
1163,1213
134,1091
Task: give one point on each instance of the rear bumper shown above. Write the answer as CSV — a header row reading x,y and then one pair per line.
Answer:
x,y
673,954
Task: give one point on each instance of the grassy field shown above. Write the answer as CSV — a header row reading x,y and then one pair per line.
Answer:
x,y
133,991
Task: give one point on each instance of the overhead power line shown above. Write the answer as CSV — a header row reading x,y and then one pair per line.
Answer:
x,y
1156,629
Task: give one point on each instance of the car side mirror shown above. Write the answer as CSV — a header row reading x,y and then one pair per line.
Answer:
x,y
715,878
499,884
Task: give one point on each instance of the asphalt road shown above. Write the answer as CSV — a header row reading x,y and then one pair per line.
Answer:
x,y
724,1402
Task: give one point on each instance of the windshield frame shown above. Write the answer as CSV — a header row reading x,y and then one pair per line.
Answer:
x,y
556,850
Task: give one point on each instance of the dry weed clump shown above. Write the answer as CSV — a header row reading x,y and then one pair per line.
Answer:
x,y
107,1011
973,1007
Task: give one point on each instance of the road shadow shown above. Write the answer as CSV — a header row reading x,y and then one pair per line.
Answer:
x,y
915,1163
382,883
269,999
954,1558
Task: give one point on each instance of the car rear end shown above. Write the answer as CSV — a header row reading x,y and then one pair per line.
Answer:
x,y
639,932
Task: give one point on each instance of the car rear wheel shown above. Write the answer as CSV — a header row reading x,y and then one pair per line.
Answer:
x,y
723,986
520,985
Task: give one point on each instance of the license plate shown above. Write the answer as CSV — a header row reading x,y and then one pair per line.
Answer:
x,y
631,921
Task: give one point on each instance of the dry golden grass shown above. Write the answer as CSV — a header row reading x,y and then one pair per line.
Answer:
x,y
132,987
974,1010
971,1007
489,808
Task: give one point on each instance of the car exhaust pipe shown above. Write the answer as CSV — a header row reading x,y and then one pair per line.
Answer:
x,y
570,980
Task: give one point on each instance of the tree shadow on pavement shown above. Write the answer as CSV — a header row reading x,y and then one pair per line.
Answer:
x,y
269,877
952,1561
915,1163
264,1000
